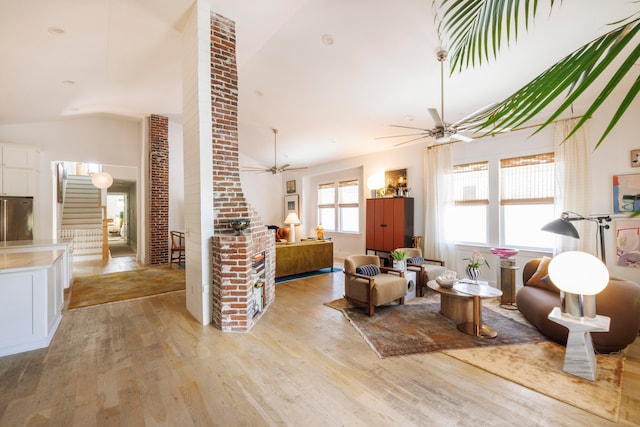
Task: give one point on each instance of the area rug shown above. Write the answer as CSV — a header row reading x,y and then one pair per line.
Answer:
x,y
303,275
120,250
397,330
105,288
538,366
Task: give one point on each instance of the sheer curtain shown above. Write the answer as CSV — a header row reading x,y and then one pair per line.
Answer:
x,y
573,185
438,197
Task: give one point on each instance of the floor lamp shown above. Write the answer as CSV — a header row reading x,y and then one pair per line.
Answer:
x,y
564,227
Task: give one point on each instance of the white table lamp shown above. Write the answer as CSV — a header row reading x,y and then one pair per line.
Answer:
x,y
292,220
580,276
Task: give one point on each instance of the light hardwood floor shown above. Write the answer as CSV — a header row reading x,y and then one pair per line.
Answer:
x,y
148,362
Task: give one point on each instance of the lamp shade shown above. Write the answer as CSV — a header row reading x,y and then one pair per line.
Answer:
x,y
375,181
561,226
578,273
292,219
102,180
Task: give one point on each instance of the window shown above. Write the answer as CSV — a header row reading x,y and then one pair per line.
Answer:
x,y
526,196
471,196
339,206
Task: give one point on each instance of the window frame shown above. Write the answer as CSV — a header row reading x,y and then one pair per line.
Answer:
x,y
338,205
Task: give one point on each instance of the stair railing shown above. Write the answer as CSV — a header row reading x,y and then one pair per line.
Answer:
x,y
105,234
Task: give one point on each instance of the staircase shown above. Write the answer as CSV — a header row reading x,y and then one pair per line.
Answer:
x,y
82,216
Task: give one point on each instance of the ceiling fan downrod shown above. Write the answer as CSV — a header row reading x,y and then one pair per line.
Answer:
x,y
442,56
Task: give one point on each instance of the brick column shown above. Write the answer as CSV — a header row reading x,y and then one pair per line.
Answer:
x,y
233,307
158,226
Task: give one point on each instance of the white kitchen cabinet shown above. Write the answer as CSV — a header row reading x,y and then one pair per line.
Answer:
x,y
19,170
31,299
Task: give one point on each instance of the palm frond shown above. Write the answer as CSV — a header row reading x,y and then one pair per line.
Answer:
x,y
475,33
571,77
475,27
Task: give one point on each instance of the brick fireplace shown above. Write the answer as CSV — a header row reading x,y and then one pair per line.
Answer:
x,y
236,301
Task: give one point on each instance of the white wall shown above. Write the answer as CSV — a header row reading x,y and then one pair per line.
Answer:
x,y
176,177
263,191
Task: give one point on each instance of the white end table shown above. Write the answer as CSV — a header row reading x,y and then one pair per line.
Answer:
x,y
579,358
410,276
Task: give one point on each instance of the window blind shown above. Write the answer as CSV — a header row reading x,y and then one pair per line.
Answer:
x,y
527,180
471,183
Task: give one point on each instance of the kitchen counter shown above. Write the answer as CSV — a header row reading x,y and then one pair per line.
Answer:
x,y
13,262
31,299
27,246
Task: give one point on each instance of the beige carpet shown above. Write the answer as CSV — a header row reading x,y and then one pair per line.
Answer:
x,y
105,288
538,366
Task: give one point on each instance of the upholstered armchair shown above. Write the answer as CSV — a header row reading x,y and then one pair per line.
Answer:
x,y
368,284
426,270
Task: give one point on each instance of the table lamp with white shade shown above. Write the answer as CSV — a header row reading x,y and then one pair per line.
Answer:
x,y
292,220
580,277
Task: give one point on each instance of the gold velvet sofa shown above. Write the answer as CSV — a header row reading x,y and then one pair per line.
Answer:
x,y
302,257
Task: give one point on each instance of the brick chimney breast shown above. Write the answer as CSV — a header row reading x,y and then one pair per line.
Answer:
x,y
243,266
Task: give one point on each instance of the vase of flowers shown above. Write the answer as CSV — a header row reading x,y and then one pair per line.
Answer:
x,y
399,259
474,264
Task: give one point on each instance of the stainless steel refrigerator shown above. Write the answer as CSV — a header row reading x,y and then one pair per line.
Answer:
x,y
16,218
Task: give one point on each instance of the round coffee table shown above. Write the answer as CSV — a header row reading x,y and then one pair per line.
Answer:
x,y
462,304
453,304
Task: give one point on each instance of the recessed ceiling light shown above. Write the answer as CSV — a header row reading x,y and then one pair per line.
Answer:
x,y
327,40
257,93
56,31
409,118
68,82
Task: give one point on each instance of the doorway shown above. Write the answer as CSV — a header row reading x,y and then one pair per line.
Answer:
x,y
118,222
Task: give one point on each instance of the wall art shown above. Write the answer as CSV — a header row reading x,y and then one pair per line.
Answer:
x,y
626,193
291,205
635,158
628,243
291,186
395,182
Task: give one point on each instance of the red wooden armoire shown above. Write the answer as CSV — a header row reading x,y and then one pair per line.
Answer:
x,y
389,223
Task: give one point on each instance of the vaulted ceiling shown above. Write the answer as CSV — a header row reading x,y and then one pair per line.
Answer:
x,y
331,75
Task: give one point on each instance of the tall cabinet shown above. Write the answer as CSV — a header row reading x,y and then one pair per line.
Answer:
x,y
18,170
389,223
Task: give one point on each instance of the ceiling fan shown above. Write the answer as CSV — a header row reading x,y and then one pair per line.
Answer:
x,y
275,169
442,131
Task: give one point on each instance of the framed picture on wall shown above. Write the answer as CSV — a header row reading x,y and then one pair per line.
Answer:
x,y
291,205
635,158
395,180
626,193
291,186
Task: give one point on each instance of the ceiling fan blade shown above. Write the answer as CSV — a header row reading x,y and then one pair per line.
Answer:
x,y
436,117
474,114
461,137
408,134
286,165
411,140
295,169
410,127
